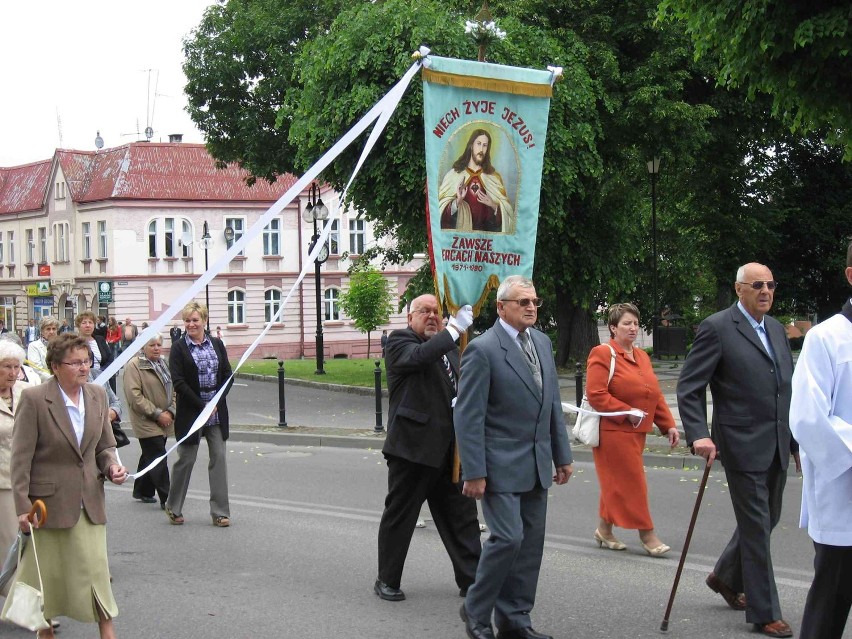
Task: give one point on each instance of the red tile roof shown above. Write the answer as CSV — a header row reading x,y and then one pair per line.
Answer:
x,y
136,171
23,188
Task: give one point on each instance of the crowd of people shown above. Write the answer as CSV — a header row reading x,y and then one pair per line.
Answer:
x,y
486,427
64,422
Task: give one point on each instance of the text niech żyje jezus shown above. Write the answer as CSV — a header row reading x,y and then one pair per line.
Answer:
x,y
486,107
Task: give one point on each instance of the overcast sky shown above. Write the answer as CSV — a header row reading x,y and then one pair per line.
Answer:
x,y
88,61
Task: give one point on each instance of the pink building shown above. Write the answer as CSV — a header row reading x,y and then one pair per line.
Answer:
x,y
119,232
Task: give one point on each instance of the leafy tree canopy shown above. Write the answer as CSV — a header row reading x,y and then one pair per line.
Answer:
x,y
368,300
795,51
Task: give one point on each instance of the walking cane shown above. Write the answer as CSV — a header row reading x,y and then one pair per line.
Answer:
x,y
664,627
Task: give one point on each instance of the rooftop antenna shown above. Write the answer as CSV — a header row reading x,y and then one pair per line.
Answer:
x,y
137,134
59,127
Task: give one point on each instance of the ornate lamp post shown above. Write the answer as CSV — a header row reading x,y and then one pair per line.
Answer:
x,y
316,210
653,170
206,243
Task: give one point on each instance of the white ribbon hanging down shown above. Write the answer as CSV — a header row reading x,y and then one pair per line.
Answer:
x,y
380,114
576,409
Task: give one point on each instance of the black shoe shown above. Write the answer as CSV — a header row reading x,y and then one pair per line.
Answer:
x,y
146,500
522,633
474,629
388,593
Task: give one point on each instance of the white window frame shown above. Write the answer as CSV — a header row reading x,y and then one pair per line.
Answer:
x,y
102,240
30,246
169,239
271,304
11,247
238,224
42,241
86,233
1,247
272,238
60,242
331,304
152,239
186,233
236,306
357,236
333,242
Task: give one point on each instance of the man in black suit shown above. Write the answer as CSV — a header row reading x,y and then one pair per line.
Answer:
x,y
422,364
744,355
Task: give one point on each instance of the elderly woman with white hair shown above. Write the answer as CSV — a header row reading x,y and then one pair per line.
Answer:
x,y
11,360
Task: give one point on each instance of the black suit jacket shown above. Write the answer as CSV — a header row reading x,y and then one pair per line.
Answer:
x,y
420,415
188,390
751,399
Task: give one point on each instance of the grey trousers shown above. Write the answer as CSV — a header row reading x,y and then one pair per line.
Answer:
x,y
217,472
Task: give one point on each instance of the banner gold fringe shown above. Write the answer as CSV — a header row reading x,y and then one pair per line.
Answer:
x,y
488,84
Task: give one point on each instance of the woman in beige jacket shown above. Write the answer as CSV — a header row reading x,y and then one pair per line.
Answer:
x,y
150,399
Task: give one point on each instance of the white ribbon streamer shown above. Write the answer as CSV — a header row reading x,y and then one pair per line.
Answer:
x,y
380,114
576,409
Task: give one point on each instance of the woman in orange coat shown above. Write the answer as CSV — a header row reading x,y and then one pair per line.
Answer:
x,y
618,457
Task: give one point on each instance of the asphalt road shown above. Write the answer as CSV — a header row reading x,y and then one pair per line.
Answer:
x,y
299,559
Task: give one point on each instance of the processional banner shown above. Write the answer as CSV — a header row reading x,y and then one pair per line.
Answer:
x,y
485,133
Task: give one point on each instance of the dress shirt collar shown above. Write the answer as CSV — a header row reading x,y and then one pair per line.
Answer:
x,y
754,323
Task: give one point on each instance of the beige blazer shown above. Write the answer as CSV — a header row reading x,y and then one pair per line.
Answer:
x,y
146,398
7,421
48,464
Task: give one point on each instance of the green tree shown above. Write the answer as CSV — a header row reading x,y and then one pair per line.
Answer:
x,y
797,52
624,99
368,301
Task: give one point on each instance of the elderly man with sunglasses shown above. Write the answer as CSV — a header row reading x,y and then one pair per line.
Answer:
x,y
744,356
513,446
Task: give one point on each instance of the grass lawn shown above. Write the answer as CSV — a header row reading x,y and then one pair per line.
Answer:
x,y
350,372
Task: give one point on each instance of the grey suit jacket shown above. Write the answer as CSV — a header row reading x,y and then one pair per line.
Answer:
x,y
48,464
506,432
751,399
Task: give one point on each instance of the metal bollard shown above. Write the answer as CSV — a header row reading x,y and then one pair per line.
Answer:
x,y
578,383
378,373
282,402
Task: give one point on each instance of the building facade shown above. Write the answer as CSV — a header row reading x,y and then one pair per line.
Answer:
x,y
120,232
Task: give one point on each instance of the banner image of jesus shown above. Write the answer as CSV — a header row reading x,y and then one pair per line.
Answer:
x,y
472,196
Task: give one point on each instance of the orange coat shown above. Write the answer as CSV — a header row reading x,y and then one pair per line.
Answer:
x,y
633,385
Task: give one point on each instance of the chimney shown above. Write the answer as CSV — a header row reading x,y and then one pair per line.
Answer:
x,y
176,138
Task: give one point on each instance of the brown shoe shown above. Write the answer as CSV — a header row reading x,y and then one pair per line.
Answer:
x,y
735,600
777,628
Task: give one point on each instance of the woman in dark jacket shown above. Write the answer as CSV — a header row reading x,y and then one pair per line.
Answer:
x,y
103,356
199,367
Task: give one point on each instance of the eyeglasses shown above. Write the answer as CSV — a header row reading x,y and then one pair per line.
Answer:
x,y
427,311
78,364
758,284
526,301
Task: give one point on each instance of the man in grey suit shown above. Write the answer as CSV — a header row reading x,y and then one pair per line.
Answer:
x,y
508,420
744,355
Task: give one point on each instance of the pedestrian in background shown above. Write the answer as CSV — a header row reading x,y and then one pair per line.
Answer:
x,y
384,342
511,433
618,457
821,421
31,333
175,333
129,331
149,393
113,337
199,367
422,370
65,328
59,426
37,350
100,327
744,356
101,352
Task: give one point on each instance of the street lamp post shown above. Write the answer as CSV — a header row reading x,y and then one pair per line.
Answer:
x,y
316,210
653,170
206,242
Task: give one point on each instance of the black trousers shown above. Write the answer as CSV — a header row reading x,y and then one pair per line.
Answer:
x,y
455,517
158,477
830,596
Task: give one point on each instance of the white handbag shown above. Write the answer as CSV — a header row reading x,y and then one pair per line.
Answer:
x,y
587,428
25,605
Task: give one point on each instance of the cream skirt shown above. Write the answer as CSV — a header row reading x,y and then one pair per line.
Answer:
x,y
74,570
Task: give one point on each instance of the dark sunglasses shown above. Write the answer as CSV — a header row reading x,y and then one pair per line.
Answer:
x,y
526,301
758,284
